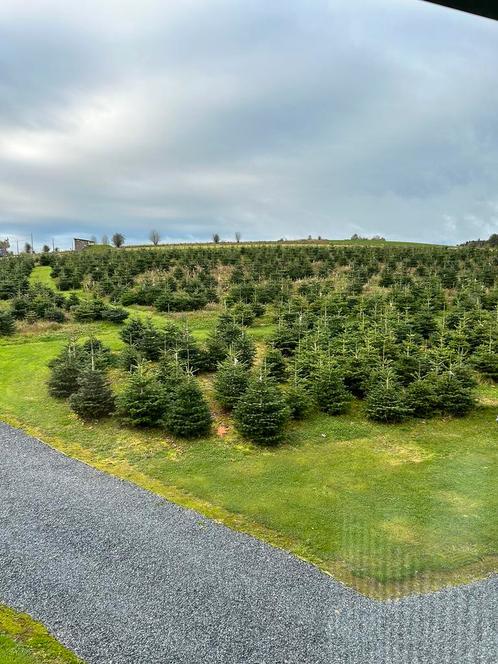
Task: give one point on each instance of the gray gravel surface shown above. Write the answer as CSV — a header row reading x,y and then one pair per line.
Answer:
x,y
122,576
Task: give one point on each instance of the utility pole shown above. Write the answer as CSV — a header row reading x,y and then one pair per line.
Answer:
x,y
17,242
53,245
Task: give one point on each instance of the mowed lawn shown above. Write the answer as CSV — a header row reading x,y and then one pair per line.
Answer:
x,y
24,641
386,509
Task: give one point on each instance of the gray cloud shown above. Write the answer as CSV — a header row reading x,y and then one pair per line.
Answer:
x,y
373,116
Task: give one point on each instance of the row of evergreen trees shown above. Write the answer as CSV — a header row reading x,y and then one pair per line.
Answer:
x,y
182,279
167,394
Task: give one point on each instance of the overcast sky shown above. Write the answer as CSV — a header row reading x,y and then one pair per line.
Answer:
x,y
275,119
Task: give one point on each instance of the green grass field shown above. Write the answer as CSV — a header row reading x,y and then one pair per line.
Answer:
x,y
24,641
41,275
386,509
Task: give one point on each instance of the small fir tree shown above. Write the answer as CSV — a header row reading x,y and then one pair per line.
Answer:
x,y
143,402
244,349
215,352
132,331
298,401
357,372
274,365
386,402
421,398
230,383
64,375
94,398
486,362
151,342
101,354
7,324
262,414
329,392
188,415
453,396
129,358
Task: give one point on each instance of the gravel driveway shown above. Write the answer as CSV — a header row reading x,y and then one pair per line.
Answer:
x,y
120,575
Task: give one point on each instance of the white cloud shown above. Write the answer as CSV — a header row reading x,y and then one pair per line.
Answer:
x,y
282,120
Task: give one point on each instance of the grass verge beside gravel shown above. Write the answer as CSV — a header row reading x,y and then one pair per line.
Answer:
x,y
24,641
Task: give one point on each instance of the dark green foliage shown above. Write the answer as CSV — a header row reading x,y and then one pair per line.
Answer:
x,y
147,339
129,358
89,310
230,383
329,393
132,331
357,371
421,398
39,303
424,324
170,374
322,311
143,400
228,338
298,401
242,314
407,367
94,398
54,314
386,403
94,348
72,301
262,414
114,314
216,350
14,274
244,349
7,324
286,339
169,371
486,362
64,374
188,413
151,343
454,397
274,365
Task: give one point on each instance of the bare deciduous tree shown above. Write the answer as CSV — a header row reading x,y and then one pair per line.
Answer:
x,y
118,240
154,237
216,238
237,236
105,239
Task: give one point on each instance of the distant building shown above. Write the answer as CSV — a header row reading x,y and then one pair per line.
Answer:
x,y
80,244
4,247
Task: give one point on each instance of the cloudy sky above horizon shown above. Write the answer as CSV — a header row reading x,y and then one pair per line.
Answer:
x,y
275,119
